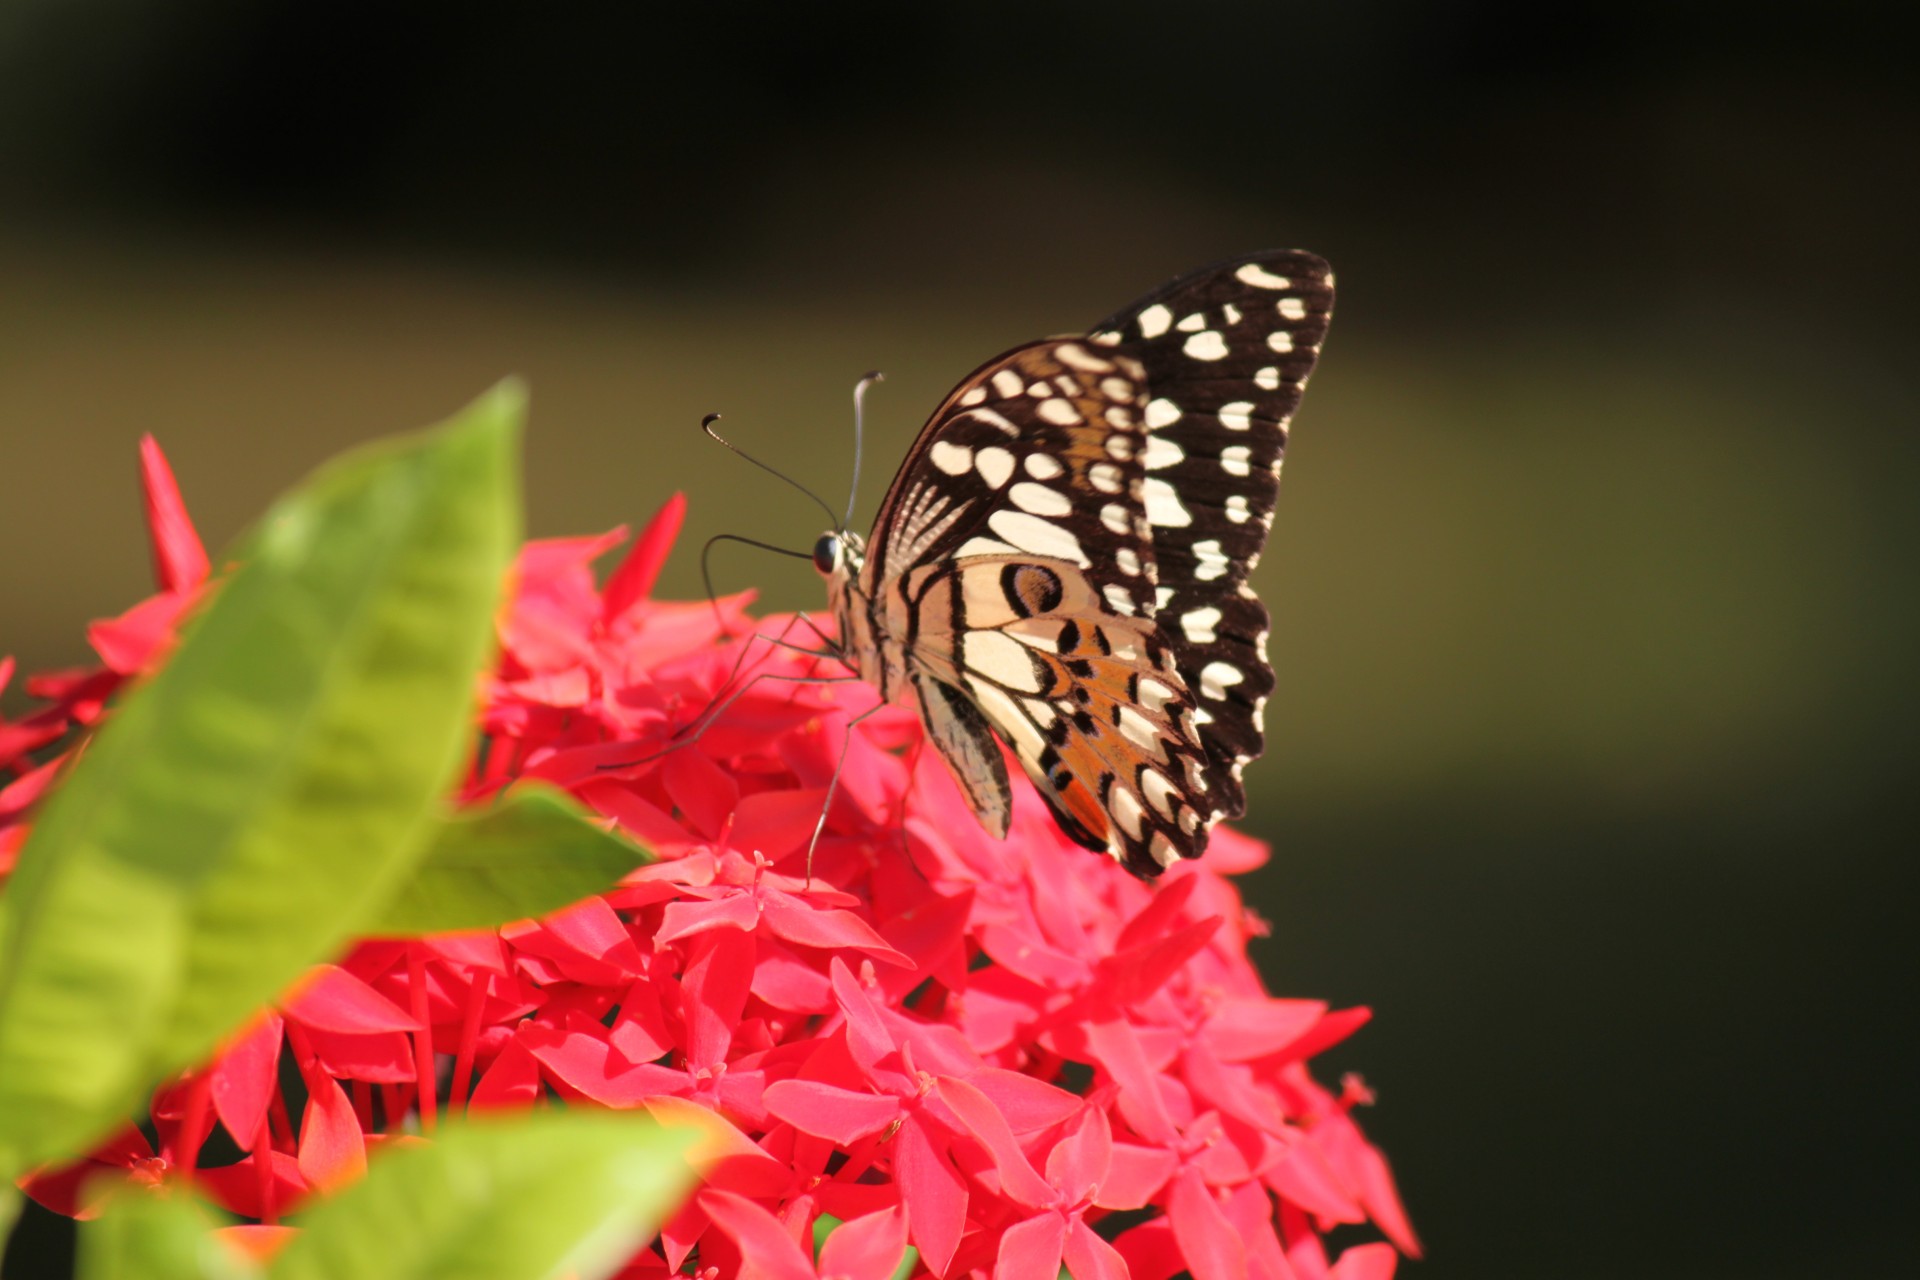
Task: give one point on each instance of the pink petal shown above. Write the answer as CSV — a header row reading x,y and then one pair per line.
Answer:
x,y
776,823
1160,916
632,581
1088,1257
1329,1031
245,1077
731,1159
591,929
1117,1049
984,1121
332,1149
766,1250
179,559
935,1197
331,999
829,929
1028,1104
867,1034
1079,1162
512,1081
1366,1262
1135,1175
827,1111
1250,1210
1242,1029
129,643
736,911
868,1247
719,970
1207,1239
1030,1250
384,1057
704,793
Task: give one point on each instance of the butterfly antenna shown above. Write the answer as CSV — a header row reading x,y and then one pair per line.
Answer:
x,y
706,425
859,420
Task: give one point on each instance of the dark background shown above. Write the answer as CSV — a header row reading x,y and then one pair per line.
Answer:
x,y
1594,574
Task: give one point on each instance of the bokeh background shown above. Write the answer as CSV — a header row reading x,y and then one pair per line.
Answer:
x,y
1594,573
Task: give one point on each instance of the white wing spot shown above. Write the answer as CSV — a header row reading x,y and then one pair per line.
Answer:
x,y
1164,507
1193,323
1213,561
1163,453
1006,716
1198,625
1039,390
1280,340
1116,518
1039,499
1237,416
1043,715
1232,313
1118,598
1139,730
1127,812
1000,658
1008,384
1116,389
954,459
1237,508
1104,476
1267,379
1039,537
1043,466
995,466
1068,387
1206,345
1236,460
1217,677
1120,446
1260,278
1153,695
1159,792
1080,358
1119,416
977,546
1293,308
993,419
1128,561
1161,413
1060,413
1161,597
973,396
1108,338
1154,321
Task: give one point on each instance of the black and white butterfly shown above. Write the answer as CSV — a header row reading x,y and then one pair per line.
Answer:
x,y
1062,560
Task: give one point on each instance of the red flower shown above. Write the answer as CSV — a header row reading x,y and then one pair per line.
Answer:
x,y
984,1048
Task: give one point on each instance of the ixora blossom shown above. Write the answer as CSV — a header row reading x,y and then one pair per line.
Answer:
x,y
1007,1054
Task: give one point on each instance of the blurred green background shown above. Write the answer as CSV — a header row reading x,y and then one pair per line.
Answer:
x,y
1594,572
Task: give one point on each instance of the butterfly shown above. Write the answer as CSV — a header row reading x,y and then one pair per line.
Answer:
x,y
1061,561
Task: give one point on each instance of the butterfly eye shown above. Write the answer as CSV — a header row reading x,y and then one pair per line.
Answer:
x,y
826,553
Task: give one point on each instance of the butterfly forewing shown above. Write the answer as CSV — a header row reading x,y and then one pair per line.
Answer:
x,y
1063,557
1227,351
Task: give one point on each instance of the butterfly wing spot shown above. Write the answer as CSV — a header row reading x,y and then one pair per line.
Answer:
x,y
995,466
1128,562
1154,321
1163,453
1043,466
1120,599
1206,345
1106,477
1261,278
1164,508
1237,460
1267,379
1038,536
1237,508
1292,309
1004,660
1078,357
953,459
1281,341
1212,561
1161,412
1237,416
1007,384
1037,499
1217,677
1198,624
1031,588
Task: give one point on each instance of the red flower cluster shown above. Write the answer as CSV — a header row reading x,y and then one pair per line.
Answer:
x,y
997,1051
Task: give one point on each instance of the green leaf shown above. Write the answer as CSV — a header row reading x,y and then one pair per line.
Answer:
x,y
243,812
543,1194
534,852
144,1236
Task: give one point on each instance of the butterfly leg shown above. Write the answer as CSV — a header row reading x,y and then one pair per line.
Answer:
x,y
833,785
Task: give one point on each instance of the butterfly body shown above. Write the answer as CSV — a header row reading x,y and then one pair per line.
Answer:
x,y
1061,561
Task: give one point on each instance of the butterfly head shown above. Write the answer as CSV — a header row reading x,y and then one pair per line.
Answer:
x,y
839,555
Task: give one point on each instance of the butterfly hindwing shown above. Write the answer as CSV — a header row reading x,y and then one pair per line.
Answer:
x,y
1087,697
1227,351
